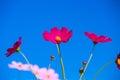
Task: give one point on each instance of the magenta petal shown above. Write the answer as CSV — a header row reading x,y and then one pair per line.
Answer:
x,y
104,39
46,35
70,33
101,38
108,40
10,51
66,37
92,36
18,43
55,31
64,30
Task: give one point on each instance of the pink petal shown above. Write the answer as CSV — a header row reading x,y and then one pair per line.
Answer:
x,y
108,40
46,35
55,30
51,71
10,51
92,36
104,39
101,38
18,43
64,30
67,36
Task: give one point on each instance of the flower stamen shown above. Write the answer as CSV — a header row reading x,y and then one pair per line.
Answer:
x,y
58,38
118,61
48,76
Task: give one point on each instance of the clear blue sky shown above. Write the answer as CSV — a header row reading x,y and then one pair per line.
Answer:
x,y
30,18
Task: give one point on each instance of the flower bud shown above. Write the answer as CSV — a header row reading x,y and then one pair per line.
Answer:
x,y
52,57
84,63
81,70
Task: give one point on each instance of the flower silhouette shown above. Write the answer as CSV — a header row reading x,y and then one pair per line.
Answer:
x,y
96,39
15,47
57,36
118,61
19,66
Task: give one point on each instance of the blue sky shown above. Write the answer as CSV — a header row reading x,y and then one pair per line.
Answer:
x,y
29,19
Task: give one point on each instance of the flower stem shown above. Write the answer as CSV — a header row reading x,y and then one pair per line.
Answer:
x,y
91,54
49,65
104,66
61,62
27,61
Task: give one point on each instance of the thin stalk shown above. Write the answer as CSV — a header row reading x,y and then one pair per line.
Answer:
x,y
27,61
103,67
61,62
91,54
49,65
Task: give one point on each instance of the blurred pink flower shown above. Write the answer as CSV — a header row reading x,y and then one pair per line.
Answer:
x,y
19,66
57,36
40,73
48,74
96,39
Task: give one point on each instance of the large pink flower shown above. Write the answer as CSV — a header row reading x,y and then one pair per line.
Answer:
x,y
48,74
96,39
19,66
57,36
15,47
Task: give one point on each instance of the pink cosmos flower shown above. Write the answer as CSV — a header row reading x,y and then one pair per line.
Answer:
x,y
19,66
96,39
57,36
118,61
48,74
15,47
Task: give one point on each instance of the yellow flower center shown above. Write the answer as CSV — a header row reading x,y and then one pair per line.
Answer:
x,y
18,49
48,76
58,38
118,61
36,72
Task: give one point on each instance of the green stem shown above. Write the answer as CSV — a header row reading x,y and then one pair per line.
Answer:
x,y
61,62
50,64
91,54
104,66
27,61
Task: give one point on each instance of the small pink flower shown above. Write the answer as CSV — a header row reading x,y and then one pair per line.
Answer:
x,y
48,74
19,66
96,39
57,36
